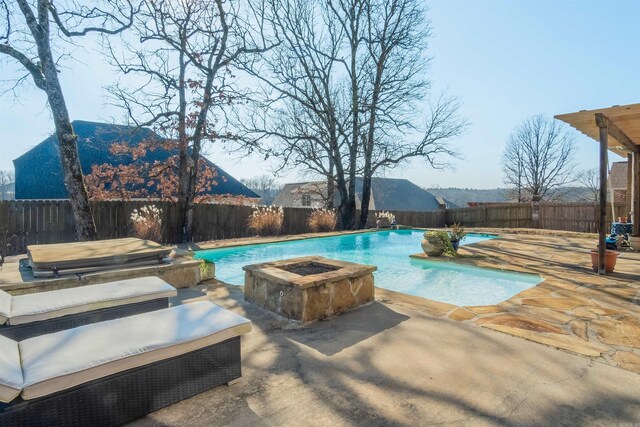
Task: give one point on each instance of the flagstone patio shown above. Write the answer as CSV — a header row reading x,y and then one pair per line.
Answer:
x,y
573,309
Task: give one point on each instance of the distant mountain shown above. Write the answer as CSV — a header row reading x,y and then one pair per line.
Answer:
x,y
461,196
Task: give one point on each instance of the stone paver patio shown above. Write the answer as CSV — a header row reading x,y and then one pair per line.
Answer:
x,y
572,309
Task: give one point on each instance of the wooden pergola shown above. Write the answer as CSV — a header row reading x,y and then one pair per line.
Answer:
x,y
617,129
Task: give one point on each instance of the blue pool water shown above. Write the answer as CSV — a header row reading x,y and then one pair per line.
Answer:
x,y
389,250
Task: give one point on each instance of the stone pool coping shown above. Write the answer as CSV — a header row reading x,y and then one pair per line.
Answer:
x,y
247,241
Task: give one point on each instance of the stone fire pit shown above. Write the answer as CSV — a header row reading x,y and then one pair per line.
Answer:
x,y
309,288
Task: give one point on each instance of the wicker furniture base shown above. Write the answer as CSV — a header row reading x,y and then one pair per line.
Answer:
x,y
124,397
49,326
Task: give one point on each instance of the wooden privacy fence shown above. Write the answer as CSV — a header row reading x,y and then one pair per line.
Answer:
x,y
509,216
580,217
51,221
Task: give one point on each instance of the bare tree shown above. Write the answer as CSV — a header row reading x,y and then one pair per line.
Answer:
x,y
538,158
393,87
304,114
7,181
590,179
266,185
26,35
346,85
184,59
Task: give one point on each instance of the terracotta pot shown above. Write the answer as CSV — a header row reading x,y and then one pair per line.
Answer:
x,y
610,259
432,247
634,241
622,219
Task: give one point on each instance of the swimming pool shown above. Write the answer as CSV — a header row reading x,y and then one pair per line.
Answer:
x,y
389,250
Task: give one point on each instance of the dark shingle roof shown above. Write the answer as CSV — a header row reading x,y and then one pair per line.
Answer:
x,y
39,173
386,194
400,195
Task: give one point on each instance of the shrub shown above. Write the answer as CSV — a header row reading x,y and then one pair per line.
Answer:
x,y
147,223
440,237
386,215
266,220
322,220
457,232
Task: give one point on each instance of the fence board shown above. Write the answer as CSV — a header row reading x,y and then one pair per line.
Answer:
x,y
37,221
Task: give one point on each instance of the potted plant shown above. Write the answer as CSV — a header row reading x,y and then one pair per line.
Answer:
x,y
436,242
385,219
456,233
610,259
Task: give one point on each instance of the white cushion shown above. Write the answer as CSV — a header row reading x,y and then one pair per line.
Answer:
x,y
58,361
5,306
10,370
48,305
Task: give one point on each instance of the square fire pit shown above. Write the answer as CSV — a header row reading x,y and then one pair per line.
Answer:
x,y
309,288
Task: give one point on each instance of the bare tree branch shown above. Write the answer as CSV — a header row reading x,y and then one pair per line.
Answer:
x,y
538,158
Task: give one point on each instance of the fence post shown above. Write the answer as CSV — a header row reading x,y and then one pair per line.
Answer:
x,y
535,211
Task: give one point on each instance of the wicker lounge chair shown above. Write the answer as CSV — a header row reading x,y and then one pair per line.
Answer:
x,y
84,257
112,372
26,316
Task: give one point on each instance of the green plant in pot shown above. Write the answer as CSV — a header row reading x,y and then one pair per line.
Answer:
x,y
436,242
456,233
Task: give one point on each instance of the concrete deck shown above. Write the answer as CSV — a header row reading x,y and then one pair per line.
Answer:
x,y
390,365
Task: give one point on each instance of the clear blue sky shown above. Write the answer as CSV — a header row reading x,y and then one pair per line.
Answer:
x,y
506,60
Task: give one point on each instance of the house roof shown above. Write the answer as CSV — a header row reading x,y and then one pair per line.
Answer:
x,y
400,194
386,194
618,176
94,141
291,194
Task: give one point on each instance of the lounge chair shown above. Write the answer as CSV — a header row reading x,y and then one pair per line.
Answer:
x,y
112,372
25,316
84,257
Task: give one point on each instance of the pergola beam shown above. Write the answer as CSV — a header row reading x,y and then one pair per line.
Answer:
x,y
618,134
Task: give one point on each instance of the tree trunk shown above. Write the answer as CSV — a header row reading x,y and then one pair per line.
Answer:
x,y
351,202
331,186
183,149
183,188
366,195
347,216
67,141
